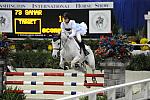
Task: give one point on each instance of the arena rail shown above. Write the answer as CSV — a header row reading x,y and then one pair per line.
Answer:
x,y
144,94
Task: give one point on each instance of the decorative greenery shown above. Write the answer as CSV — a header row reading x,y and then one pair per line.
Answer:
x,y
115,46
4,50
141,33
12,96
97,98
29,45
32,59
30,53
139,63
144,41
38,59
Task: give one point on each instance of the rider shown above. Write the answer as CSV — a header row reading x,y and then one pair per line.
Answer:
x,y
75,30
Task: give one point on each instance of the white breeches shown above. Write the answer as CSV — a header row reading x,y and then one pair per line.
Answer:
x,y
78,36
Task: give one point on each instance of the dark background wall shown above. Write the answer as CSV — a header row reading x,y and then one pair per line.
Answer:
x,y
129,14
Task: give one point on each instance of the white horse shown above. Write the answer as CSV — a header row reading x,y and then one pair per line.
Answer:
x,y
70,52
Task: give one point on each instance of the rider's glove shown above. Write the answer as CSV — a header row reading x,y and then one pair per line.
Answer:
x,y
70,36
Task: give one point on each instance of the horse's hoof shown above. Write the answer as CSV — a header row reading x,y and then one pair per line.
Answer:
x,y
66,68
88,86
85,81
77,66
60,68
94,80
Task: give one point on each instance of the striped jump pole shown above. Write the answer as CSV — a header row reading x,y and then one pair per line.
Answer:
x,y
47,92
53,83
42,92
52,74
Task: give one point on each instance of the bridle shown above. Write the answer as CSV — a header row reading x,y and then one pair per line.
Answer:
x,y
54,48
63,44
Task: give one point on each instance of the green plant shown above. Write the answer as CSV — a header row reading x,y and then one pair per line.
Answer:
x,y
29,58
32,59
4,49
97,98
139,62
29,44
141,33
12,96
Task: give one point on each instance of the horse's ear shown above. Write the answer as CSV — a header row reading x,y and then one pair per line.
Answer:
x,y
59,34
55,37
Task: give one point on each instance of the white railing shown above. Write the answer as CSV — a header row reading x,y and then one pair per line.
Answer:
x,y
144,94
137,52
141,44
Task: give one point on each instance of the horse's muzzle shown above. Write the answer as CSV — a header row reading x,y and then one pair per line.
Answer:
x,y
54,56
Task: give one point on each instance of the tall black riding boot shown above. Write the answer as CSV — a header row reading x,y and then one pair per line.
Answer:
x,y
81,44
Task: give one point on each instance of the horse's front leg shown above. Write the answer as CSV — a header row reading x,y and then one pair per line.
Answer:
x,y
74,61
62,60
61,63
85,78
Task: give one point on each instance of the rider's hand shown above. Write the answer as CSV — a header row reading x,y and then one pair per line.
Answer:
x,y
69,37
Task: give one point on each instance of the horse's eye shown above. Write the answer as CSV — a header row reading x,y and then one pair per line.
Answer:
x,y
58,43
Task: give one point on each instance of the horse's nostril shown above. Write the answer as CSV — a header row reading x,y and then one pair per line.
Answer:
x,y
54,56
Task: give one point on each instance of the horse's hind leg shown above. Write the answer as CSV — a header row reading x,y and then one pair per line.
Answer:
x,y
93,72
85,72
85,79
91,64
94,78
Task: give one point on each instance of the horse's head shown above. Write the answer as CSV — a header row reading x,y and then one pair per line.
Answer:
x,y
58,42
56,46
64,36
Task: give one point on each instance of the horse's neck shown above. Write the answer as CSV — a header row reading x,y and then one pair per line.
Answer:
x,y
74,44
71,44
